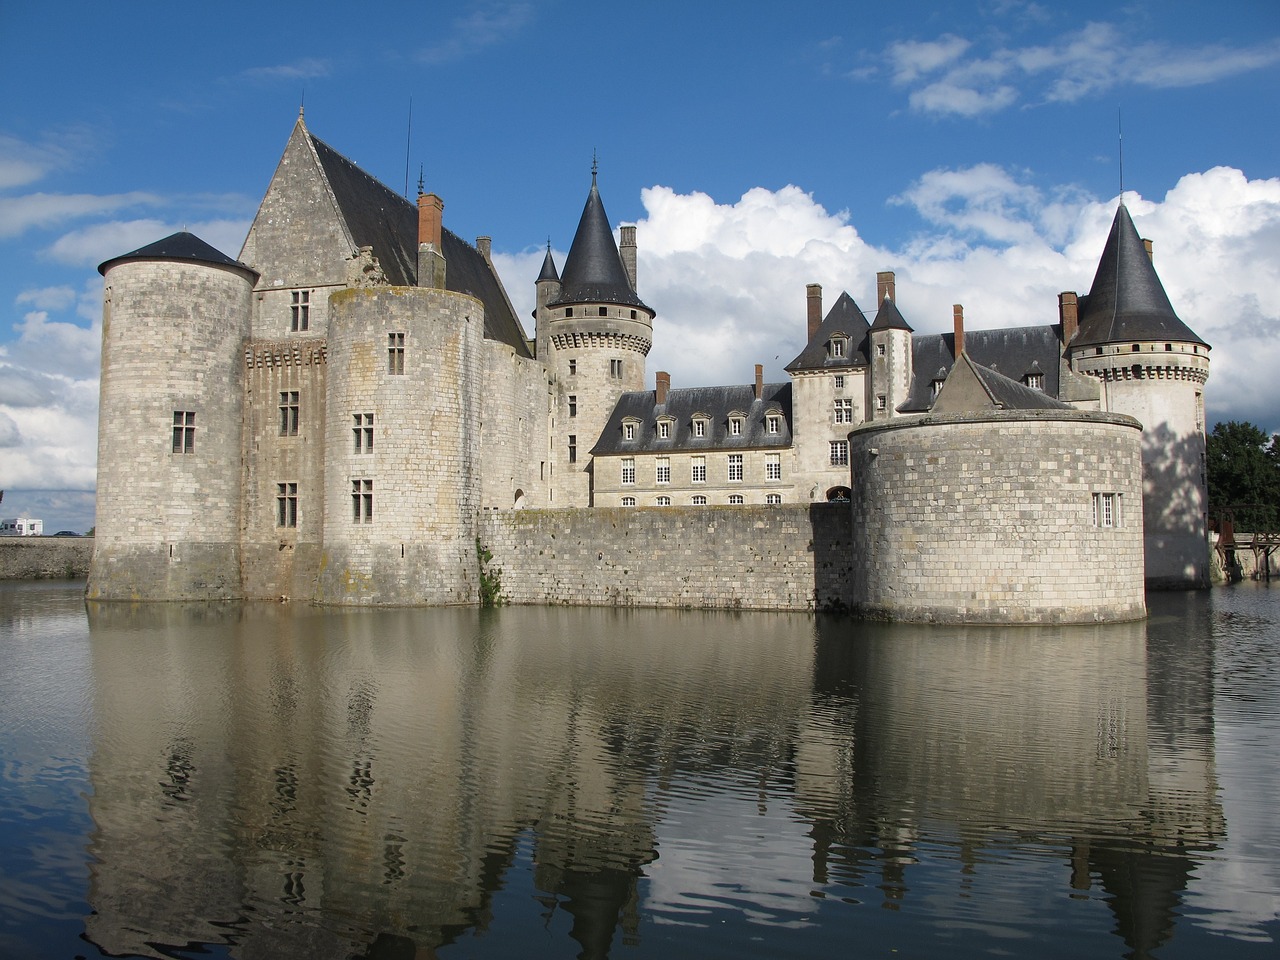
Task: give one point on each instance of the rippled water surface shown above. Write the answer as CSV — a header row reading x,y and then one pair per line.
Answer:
x,y
286,781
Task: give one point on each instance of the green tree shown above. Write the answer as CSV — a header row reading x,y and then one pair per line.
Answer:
x,y
1244,473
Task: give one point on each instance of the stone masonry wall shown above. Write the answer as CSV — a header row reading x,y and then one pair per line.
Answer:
x,y
990,518
515,404
44,558
790,557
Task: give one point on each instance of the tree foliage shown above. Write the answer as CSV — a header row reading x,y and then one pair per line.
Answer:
x,y
1243,466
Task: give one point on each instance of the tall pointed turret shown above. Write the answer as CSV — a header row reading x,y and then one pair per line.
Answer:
x,y
599,332
1151,366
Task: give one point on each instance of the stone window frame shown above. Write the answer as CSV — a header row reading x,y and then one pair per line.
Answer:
x,y
1035,381
880,350
300,311
362,500
839,452
837,347
773,499
698,425
184,431
630,428
773,423
289,408
735,468
737,500
573,367
935,387
842,410
882,402
666,427
662,470
837,382
615,368
628,471
663,501
773,466
573,448
736,421
698,500
573,404
287,505
395,354
628,501
1106,509
362,433
698,469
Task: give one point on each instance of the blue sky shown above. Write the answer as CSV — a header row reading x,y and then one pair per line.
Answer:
x,y
970,146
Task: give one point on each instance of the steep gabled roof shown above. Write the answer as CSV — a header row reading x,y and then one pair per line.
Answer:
x,y
593,270
179,246
971,387
1127,300
888,317
681,406
1013,352
845,317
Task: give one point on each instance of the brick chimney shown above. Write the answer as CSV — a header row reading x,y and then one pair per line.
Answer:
x,y
430,251
1068,315
813,297
759,380
886,284
1146,245
957,316
663,386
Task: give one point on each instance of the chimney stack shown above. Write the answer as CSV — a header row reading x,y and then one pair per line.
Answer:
x,y
957,316
483,244
431,263
1146,245
813,292
759,380
886,283
663,386
627,248
1068,315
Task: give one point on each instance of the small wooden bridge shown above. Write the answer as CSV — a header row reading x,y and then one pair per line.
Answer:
x,y
1262,542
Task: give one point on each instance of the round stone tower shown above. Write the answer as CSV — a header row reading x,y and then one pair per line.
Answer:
x,y
175,318
1152,367
402,430
599,332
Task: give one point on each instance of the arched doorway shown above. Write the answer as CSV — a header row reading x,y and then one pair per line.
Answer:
x,y
839,495
519,501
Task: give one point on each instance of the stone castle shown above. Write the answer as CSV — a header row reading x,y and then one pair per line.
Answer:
x,y
352,412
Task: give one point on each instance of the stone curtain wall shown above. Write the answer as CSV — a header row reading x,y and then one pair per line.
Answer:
x,y
988,518
45,558
790,557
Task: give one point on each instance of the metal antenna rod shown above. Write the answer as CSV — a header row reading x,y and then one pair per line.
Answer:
x,y
408,138
1120,136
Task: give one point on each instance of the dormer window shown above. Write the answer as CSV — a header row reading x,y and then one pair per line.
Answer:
x,y
664,428
773,424
629,428
935,388
1034,380
838,347
735,425
699,425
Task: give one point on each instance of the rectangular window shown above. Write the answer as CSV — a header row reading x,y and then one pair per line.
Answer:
x,y
395,354
628,470
699,428
837,348
288,413
843,411
839,453
300,310
736,500
699,500
773,466
363,432
735,426
699,470
628,501
879,349
1035,381
1106,510
628,431
184,431
615,369
573,368
573,404
773,499
838,382
286,504
880,402
664,470
362,501
573,448
773,424
664,430
735,466
664,501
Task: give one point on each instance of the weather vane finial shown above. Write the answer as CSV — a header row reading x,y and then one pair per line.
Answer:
x,y
595,165
420,180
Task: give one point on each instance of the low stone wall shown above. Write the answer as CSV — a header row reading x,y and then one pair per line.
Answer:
x,y
45,558
790,557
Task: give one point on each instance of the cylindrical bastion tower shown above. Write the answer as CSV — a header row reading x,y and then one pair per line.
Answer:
x,y
402,430
1003,516
175,318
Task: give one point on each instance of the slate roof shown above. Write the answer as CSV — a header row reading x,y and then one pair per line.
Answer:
x,y
593,270
716,402
1127,300
179,246
1012,352
1003,392
376,216
548,267
846,317
889,318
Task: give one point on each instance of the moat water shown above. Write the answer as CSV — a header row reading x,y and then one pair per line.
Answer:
x,y
286,781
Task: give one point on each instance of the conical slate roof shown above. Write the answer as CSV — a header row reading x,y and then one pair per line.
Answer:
x,y
593,271
888,317
178,246
548,267
1127,300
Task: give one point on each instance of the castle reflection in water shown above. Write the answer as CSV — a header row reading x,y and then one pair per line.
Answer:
x,y
363,783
